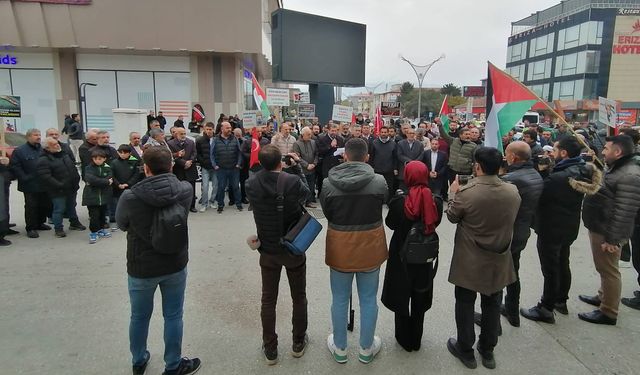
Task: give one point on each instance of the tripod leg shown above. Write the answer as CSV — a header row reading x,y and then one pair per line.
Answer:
x,y
351,314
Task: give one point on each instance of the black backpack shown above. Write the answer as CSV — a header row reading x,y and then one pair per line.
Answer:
x,y
169,230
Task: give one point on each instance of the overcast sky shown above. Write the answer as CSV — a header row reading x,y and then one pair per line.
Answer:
x,y
468,32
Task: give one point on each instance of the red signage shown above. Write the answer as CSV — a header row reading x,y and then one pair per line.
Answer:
x,y
628,116
473,91
628,44
71,2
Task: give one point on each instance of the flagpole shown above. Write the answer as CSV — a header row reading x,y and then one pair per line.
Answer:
x,y
442,105
548,107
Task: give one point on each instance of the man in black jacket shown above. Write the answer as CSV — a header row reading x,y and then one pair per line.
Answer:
x,y
76,135
328,144
521,173
147,268
436,161
184,157
162,120
226,159
103,142
271,225
24,165
84,152
557,223
209,178
60,179
383,159
409,149
609,216
55,134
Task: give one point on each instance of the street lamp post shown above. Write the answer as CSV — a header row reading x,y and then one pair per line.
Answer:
x,y
372,90
83,101
421,72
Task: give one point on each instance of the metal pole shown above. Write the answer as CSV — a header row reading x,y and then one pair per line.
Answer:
x,y
420,75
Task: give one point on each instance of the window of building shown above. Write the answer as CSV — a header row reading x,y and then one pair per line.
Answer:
x,y
574,90
590,89
517,52
579,35
539,70
541,90
541,45
578,63
517,72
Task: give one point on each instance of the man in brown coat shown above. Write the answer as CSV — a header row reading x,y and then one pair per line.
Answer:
x,y
485,210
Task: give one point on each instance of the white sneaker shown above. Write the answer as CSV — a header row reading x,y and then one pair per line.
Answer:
x,y
367,355
203,208
623,264
339,355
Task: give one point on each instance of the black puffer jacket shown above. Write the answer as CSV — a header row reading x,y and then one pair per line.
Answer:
x,y
558,216
529,184
24,165
58,173
612,210
135,215
261,191
125,172
203,151
98,190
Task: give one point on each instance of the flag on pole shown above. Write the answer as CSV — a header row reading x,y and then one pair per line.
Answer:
x,y
444,114
260,97
378,122
197,113
507,102
353,118
255,148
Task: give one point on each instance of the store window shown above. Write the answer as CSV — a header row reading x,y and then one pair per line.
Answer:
x,y
539,70
541,45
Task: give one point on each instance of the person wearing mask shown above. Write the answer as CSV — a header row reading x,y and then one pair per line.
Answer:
x,y
436,161
327,147
609,215
184,158
461,151
307,150
408,288
209,185
384,159
271,225
59,176
520,172
356,246
557,223
226,160
409,149
148,268
481,262
24,165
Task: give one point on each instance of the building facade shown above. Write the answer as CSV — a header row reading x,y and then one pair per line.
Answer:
x,y
160,55
577,51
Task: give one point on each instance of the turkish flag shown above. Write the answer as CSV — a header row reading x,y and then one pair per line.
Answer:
x,y
255,148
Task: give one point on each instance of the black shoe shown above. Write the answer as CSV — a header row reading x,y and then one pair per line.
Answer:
x,y
539,313
187,366
193,209
139,370
270,356
240,208
112,220
32,234
406,346
220,209
513,319
477,319
106,226
488,360
60,234
77,226
634,302
4,242
245,201
43,227
597,317
591,300
11,232
470,362
636,293
298,348
561,308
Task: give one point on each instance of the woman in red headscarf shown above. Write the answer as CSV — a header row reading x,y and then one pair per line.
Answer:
x,y
408,288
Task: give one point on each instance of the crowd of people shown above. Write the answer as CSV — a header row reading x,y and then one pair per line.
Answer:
x,y
542,179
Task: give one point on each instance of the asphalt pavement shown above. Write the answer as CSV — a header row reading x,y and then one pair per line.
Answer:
x,y
65,310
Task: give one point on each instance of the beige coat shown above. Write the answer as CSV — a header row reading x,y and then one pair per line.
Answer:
x,y
485,210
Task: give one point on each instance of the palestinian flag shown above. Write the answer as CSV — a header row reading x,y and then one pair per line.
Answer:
x,y
507,102
444,114
260,98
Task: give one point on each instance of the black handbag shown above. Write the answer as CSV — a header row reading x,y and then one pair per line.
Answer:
x,y
420,248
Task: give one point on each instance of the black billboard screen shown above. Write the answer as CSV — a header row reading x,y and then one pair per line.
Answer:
x,y
313,49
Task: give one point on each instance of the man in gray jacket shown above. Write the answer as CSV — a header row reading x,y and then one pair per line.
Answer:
x,y
609,216
307,150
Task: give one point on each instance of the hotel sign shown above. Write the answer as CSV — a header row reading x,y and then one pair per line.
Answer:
x,y
534,30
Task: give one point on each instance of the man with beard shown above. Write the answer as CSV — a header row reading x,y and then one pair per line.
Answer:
x,y
384,159
327,146
461,151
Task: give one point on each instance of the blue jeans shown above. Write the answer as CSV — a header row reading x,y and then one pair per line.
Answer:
x,y
367,283
141,293
228,177
208,177
61,205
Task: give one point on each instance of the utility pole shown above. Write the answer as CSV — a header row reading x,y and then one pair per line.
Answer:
x,y
421,72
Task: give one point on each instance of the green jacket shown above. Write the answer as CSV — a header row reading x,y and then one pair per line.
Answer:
x,y
97,190
460,153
